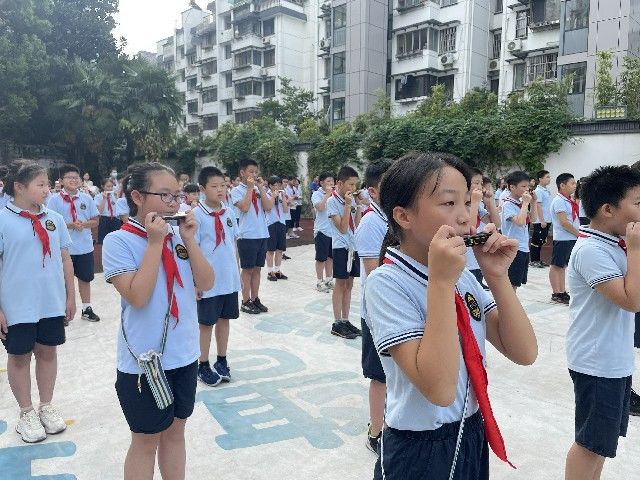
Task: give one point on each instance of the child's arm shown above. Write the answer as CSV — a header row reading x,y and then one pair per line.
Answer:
x,y
103,203
342,221
521,218
69,285
203,275
432,362
285,203
540,214
322,204
267,203
508,327
91,223
624,292
474,209
244,204
490,205
566,224
4,329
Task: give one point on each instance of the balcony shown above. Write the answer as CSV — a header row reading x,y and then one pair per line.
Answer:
x,y
545,25
206,26
324,85
246,41
247,71
417,60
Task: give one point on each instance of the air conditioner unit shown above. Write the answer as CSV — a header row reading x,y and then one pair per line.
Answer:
x,y
266,41
514,46
494,64
325,43
447,60
264,72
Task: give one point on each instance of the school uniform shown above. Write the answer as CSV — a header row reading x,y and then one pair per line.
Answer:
x,y
599,343
295,207
32,289
4,199
419,439
122,207
540,234
253,230
472,263
343,243
584,220
123,253
277,225
81,207
109,221
322,230
563,240
505,193
217,240
368,240
519,268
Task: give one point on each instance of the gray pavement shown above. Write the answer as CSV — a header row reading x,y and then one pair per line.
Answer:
x,y
297,408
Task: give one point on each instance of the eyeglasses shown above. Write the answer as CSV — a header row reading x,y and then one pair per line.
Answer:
x,y
167,197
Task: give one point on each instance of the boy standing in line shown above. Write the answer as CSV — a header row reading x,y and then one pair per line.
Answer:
x,y
322,232
543,218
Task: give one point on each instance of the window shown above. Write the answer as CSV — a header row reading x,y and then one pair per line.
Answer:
x,y
338,109
414,86
227,51
339,17
545,11
448,40
192,58
576,14
409,3
181,75
268,27
247,28
518,76
542,67
578,72
192,82
446,3
497,6
210,122
257,57
269,89
417,40
326,102
192,107
270,58
246,58
243,117
209,40
193,129
181,52
228,80
169,66
229,108
497,45
339,63
327,67
227,22
251,87
210,95
522,22
494,85
209,68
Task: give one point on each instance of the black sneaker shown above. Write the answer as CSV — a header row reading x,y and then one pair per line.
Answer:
x,y
353,328
272,277
258,304
566,296
634,404
559,298
208,376
286,257
249,307
341,329
223,370
373,443
87,314
543,265
281,276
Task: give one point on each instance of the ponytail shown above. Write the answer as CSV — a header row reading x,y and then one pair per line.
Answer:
x,y
390,240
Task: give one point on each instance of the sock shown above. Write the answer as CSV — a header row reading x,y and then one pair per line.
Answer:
x,y
25,410
272,269
276,268
222,360
85,306
44,404
204,364
320,280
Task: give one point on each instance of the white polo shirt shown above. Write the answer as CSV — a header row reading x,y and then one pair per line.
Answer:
x,y
321,222
561,204
112,199
335,207
223,257
395,302
30,291
277,213
600,337
510,229
543,197
122,252
252,225
4,200
122,207
85,210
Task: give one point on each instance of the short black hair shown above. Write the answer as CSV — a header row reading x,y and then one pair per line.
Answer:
x,y
563,178
375,170
346,172
514,178
324,175
190,188
273,179
486,180
206,173
247,162
476,171
607,185
541,174
66,168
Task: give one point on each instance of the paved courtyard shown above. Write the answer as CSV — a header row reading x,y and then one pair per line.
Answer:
x,y
297,408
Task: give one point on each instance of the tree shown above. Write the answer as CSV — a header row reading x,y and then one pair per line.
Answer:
x,y
606,92
338,148
294,108
630,86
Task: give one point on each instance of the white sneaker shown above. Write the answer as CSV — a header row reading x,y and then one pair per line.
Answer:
x,y
295,236
300,229
51,420
322,287
329,284
289,237
30,428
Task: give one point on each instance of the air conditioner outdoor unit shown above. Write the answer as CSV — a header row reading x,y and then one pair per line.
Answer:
x,y
325,43
514,46
494,64
264,72
447,60
266,41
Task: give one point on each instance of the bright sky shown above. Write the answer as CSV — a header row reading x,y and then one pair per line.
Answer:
x,y
144,22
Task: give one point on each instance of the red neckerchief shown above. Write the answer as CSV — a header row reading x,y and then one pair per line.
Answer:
x,y
70,200
220,233
109,204
38,230
575,208
168,263
367,210
352,225
477,376
517,204
254,200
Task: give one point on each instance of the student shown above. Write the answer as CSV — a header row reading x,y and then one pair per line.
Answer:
x,y
566,222
122,209
344,213
634,402
79,211
252,202
515,224
33,307
106,204
584,220
420,303
295,194
322,231
156,269
4,196
276,223
191,196
368,241
501,187
542,222
217,231
288,191
603,275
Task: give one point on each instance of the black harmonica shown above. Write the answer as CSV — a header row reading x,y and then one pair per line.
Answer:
x,y
477,239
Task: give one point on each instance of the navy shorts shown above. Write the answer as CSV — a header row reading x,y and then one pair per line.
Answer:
x,y
252,252
106,225
222,306
602,412
277,237
371,365
22,337
428,455
340,257
83,266
561,252
519,269
140,409
323,247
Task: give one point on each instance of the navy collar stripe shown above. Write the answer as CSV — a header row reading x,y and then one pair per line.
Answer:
x,y
405,265
600,236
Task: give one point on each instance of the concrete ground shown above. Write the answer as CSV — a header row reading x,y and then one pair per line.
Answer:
x,y
297,407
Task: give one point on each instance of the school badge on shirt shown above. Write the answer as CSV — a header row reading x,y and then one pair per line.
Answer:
x,y
181,251
474,308
49,225
83,206
229,223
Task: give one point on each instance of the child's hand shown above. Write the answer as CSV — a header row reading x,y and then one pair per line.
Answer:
x,y
4,329
156,228
488,193
70,309
188,226
447,255
495,256
348,198
476,195
632,237
251,182
526,197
